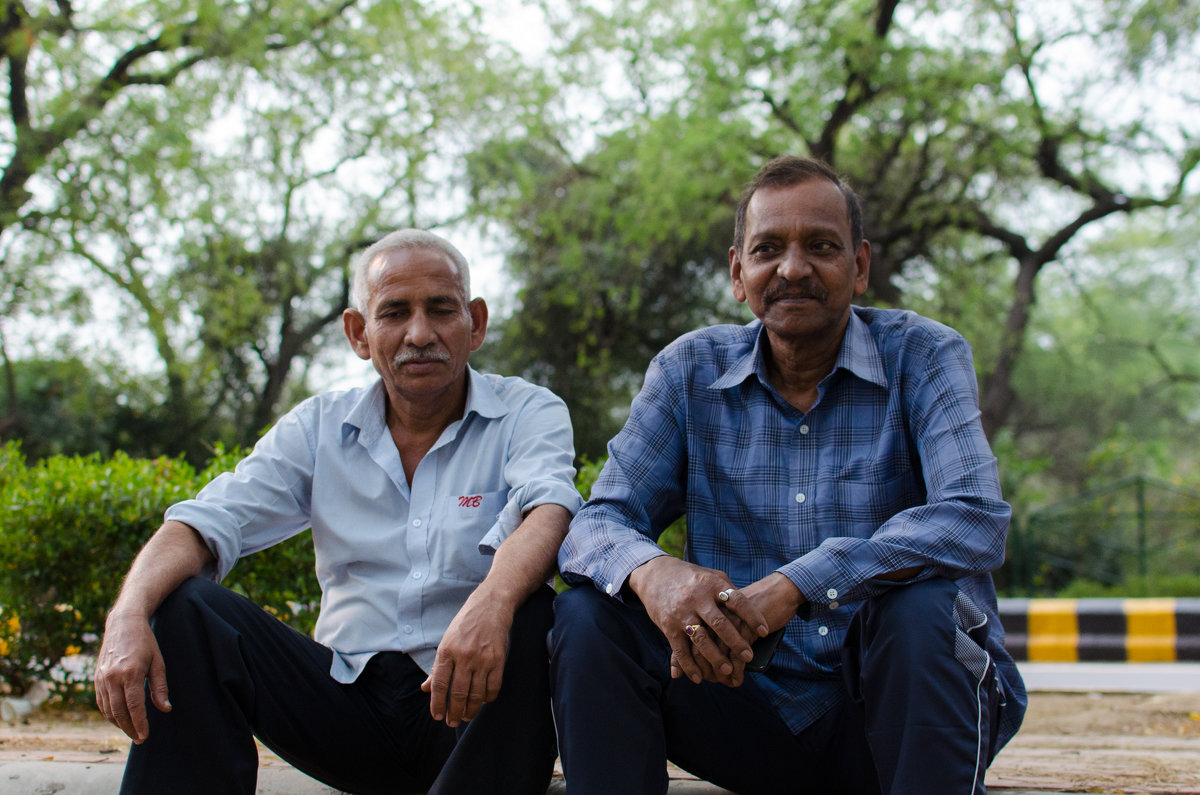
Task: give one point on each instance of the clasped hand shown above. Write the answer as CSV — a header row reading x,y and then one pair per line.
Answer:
x,y
710,638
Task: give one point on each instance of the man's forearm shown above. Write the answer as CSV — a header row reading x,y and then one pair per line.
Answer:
x,y
527,558
174,553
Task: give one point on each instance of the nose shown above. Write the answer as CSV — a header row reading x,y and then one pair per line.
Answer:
x,y
419,331
793,265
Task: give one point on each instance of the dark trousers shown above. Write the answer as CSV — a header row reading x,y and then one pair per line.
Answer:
x,y
918,715
234,672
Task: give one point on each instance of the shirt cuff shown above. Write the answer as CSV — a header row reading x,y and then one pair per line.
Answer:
x,y
614,578
823,586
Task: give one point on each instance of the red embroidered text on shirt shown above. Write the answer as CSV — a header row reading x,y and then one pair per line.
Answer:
x,y
470,501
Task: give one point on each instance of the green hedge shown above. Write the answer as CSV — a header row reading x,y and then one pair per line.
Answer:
x,y
69,528
71,525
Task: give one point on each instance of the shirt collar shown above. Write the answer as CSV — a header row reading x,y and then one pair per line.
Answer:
x,y
749,363
482,398
367,416
858,354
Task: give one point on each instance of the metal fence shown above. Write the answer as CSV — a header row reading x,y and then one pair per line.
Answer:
x,y
1138,527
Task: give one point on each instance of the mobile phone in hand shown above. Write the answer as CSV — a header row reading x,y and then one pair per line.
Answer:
x,y
764,651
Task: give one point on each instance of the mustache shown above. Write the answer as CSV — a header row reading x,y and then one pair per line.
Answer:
x,y
413,354
806,288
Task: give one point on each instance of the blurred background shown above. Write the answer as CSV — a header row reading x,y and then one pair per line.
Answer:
x,y
185,182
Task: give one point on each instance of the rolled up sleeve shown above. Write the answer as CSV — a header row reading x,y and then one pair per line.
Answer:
x,y
539,466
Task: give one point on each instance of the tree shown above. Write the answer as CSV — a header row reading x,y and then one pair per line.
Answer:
x,y
68,63
606,279
978,159
1119,348
224,204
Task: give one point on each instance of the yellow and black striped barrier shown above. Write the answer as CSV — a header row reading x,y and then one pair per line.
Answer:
x,y
1116,630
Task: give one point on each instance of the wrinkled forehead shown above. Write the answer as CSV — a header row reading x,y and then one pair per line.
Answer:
x,y
417,272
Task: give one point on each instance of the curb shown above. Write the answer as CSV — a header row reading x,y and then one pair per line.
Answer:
x,y
1101,630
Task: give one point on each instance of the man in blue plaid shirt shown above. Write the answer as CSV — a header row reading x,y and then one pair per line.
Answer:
x,y
838,487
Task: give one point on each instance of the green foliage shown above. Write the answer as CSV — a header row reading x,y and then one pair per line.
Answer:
x,y
205,170
1177,585
616,256
69,529
1136,530
68,407
981,142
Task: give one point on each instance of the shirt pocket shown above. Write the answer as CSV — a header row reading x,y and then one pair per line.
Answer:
x,y
462,523
859,505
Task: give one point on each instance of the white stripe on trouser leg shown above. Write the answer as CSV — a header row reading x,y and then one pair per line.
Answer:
x,y
968,618
980,698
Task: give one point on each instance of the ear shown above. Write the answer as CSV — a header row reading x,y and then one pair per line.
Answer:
x,y
355,327
479,320
735,275
862,266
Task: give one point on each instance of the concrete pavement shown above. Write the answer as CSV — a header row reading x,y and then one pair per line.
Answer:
x,y
47,772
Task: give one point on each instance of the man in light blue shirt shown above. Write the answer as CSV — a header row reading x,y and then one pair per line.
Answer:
x,y
838,489
437,498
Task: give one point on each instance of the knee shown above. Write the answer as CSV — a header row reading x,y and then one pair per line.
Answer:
x,y
917,615
191,593
916,602
577,609
586,623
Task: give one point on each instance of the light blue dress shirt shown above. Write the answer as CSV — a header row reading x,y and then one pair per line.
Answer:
x,y
889,469
394,563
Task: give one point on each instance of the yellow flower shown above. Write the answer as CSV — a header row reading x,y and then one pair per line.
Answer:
x,y
3,647
72,650
14,625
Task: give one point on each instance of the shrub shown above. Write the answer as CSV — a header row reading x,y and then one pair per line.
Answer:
x,y
71,525
69,528
1177,585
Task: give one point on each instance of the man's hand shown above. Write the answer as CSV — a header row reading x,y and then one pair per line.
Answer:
x,y
469,666
129,656
678,595
776,597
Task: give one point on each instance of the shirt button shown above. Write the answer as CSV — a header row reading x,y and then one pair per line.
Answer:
x,y
416,575
822,631
803,430
416,522
800,497
831,593
833,605
408,628
608,589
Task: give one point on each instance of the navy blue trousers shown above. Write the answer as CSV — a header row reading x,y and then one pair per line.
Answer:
x,y
919,716
234,673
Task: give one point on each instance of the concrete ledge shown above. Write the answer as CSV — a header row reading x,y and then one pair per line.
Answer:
x,y
82,778
1104,630
101,778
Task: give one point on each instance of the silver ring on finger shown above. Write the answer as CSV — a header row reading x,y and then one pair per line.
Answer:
x,y
724,595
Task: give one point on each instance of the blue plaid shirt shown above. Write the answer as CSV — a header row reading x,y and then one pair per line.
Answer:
x,y
888,470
